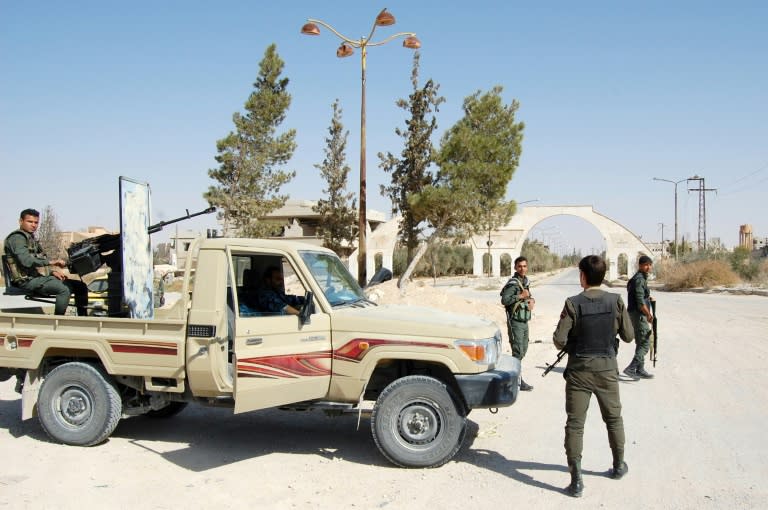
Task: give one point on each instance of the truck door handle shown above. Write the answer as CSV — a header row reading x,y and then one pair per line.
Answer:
x,y
254,341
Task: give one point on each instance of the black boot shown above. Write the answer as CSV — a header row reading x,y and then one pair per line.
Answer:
x,y
640,371
631,370
619,470
577,485
525,386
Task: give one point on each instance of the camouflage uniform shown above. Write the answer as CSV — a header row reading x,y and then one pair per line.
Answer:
x,y
517,324
637,295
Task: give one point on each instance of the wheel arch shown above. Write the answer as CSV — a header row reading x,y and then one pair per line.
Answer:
x,y
389,370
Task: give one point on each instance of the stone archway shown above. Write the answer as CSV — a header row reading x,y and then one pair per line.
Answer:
x,y
509,238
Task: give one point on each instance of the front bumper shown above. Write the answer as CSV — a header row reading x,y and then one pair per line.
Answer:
x,y
494,388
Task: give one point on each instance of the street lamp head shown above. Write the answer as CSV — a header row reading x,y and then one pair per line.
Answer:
x,y
384,19
344,50
412,42
310,29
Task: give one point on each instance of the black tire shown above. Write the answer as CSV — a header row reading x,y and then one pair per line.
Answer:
x,y
416,422
171,409
78,404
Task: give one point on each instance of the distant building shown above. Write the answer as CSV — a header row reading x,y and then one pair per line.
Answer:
x,y
67,238
659,250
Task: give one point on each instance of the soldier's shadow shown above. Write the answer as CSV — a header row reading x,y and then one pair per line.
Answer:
x,y
517,469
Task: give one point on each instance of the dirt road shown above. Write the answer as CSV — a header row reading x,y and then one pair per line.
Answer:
x,y
695,435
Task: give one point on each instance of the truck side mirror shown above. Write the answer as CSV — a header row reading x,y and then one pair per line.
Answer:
x,y
306,310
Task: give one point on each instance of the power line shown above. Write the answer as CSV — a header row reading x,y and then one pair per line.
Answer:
x,y
740,179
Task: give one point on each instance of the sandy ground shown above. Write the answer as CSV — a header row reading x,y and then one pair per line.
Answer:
x,y
695,434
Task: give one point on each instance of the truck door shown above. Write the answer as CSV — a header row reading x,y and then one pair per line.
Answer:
x,y
278,360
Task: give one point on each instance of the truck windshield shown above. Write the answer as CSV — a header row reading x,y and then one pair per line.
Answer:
x,y
339,287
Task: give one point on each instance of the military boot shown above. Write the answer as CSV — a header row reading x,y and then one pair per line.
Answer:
x,y
641,372
631,370
619,470
577,484
524,386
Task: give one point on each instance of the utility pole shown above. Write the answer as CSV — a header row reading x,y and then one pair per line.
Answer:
x,y
675,183
702,240
662,239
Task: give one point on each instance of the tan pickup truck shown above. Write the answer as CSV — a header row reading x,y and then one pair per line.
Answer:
x,y
419,370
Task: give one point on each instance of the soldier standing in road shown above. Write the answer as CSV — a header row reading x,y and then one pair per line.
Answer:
x,y
640,311
517,300
587,329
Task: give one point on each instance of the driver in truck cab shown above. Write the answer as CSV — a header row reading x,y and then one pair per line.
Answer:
x,y
273,299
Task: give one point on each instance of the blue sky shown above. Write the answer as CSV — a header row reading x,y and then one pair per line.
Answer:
x,y
612,94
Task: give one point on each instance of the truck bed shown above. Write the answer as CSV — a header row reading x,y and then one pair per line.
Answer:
x,y
151,348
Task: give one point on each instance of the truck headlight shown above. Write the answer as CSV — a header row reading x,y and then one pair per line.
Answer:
x,y
484,351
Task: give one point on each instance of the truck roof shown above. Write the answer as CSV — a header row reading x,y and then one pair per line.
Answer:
x,y
277,244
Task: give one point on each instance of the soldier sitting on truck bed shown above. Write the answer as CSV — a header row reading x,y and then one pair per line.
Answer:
x,y
273,299
32,271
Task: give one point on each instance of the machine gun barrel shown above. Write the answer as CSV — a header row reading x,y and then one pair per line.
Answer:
x,y
157,227
550,366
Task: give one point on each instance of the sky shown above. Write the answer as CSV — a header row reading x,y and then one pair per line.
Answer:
x,y
612,94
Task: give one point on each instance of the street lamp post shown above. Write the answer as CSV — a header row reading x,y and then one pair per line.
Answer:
x,y
383,19
675,183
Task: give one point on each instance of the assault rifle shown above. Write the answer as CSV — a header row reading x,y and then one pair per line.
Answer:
x,y
654,328
560,356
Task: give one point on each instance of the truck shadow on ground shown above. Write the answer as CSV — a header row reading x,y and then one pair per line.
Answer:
x,y
10,420
215,437
203,438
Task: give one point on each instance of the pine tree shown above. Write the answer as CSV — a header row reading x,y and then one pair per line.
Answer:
x,y
410,172
251,157
338,216
49,234
477,158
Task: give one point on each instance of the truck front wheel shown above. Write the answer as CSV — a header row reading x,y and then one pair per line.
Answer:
x,y
416,422
78,404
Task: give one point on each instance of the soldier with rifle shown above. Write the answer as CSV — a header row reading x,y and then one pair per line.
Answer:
x,y
587,331
640,308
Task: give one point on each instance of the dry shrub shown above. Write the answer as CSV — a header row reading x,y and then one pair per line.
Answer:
x,y
762,273
701,273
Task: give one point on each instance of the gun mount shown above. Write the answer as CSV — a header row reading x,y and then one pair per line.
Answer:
x,y
90,254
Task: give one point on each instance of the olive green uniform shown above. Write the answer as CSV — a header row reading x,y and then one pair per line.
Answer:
x,y
638,294
592,373
30,271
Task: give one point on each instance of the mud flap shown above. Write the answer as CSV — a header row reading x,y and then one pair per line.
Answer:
x,y
29,393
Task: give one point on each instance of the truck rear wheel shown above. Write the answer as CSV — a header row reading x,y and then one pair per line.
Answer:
x,y
78,404
416,422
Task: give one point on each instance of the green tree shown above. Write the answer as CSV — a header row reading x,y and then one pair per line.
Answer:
x,y
410,172
49,234
250,158
338,216
478,157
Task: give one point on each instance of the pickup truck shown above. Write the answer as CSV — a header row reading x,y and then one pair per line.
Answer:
x,y
419,371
